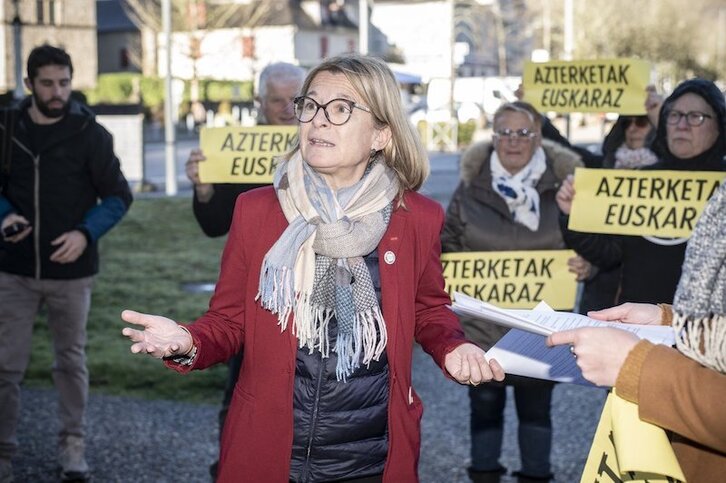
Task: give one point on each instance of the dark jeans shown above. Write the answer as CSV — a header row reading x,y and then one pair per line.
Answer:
x,y
532,398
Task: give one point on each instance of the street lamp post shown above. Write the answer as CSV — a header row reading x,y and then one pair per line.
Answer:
x,y
363,26
19,91
170,149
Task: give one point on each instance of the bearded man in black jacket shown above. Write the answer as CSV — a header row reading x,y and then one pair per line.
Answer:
x,y
61,190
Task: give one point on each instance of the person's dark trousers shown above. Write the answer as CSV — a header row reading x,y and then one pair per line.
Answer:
x,y
233,366
533,400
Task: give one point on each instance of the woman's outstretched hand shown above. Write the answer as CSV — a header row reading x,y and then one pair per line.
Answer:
x,y
160,337
468,365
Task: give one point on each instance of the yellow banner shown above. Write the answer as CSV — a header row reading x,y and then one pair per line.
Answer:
x,y
646,203
243,154
627,449
603,85
513,280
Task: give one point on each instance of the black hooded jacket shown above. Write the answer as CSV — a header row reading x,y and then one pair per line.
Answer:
x,y
713,158
68,179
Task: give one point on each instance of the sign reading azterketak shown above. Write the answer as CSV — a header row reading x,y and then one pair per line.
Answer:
x,y
633,202
512,279
613,85
243,154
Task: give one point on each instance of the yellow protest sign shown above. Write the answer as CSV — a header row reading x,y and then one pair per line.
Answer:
x,y
627,449
243,154
603,85
512,279
634,202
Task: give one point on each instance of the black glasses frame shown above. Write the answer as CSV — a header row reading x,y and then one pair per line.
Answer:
x,y
693,118
300,99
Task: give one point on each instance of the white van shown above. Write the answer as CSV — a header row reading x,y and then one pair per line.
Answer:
x,y
475,98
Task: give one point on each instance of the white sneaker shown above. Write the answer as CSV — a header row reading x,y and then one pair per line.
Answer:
x,y
6,471
71,457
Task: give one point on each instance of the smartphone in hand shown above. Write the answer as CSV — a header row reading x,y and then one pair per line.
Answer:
x,y
13,229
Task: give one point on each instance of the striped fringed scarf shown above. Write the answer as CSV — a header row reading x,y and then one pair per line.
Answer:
x,y
699,307
316,269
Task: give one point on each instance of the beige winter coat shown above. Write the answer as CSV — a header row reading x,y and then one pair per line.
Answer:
x,y
478,219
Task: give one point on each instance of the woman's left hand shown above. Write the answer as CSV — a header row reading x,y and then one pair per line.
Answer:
x,y
566,194
468,365
580,267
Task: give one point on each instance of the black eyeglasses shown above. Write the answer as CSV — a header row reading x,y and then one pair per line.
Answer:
x,y
693,118
524,134
337,111
639,121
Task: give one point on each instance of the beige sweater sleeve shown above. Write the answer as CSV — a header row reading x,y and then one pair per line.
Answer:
x,y
675,393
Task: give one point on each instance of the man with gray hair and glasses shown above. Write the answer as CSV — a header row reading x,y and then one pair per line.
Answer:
x,y
213,203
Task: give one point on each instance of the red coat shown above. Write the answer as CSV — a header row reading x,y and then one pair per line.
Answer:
x,y
257,439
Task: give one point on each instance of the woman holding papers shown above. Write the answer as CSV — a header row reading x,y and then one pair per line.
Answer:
x,y
327,279
680,390
691,135
506,201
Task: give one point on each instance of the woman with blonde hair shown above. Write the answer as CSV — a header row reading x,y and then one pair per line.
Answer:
x,y
327,279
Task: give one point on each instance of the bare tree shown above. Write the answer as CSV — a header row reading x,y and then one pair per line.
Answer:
x,y
679,38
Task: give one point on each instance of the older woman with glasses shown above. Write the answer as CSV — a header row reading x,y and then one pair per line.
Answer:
x,y
506,201
327,278
690,136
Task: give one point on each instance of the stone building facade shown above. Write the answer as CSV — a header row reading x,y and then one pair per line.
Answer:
x,y
70,24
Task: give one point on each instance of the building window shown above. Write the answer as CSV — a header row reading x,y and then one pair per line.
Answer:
x,y
248,47
48,12
124,58
324,47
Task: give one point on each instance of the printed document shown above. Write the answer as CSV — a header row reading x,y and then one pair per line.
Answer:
x,y
522,351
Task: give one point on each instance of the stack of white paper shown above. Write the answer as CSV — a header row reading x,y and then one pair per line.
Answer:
x,y
522,351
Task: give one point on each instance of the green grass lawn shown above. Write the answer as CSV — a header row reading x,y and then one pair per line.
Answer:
x,y
144,261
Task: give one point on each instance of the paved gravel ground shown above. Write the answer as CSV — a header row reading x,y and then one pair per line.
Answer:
x,y
133,440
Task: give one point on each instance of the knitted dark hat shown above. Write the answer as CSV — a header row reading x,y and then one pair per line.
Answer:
x,y
711,94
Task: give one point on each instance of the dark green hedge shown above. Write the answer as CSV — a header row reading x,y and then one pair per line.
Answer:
x,y
131,88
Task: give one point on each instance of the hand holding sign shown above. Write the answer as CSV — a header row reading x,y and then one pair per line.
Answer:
x,y
580,267
566,194
204,190
653,103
